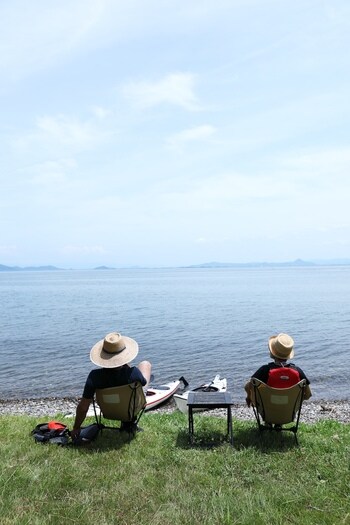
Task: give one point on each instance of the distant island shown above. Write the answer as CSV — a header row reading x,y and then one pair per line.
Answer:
x,y
4,268
215,264
297,262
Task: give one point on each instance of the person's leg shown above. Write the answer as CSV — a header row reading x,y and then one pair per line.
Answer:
x,y
145,368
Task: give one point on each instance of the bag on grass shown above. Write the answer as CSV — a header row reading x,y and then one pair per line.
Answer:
x,y
51,432
87,434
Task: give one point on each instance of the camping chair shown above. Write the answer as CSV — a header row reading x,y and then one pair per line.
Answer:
x,y
121,403
277,406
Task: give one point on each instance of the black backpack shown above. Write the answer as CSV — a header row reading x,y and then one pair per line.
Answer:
x,y
51,432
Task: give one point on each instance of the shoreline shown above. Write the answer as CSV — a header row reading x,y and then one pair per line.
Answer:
x,y
312,411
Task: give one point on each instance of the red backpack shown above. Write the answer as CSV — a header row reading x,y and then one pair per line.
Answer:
x,y
283,377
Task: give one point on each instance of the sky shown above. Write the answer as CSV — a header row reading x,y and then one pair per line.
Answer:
x,y
171,133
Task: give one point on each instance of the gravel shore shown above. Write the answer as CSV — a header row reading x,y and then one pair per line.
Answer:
x,y
312,411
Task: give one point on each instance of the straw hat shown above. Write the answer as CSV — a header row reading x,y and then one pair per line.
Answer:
x,y
281,346
114,350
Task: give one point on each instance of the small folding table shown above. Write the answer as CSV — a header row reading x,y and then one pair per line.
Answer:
x,y
209,401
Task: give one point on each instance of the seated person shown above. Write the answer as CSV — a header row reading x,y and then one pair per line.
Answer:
x,y
112,354
278,373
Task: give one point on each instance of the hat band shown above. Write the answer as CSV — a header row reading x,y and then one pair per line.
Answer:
x,y
280,356
113,349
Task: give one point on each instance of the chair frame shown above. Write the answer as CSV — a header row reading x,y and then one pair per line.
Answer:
x,y
133,411
260,389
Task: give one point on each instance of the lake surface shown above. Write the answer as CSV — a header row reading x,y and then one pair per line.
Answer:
x,y
191,322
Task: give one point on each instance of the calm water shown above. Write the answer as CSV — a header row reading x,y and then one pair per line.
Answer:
x,y
191,322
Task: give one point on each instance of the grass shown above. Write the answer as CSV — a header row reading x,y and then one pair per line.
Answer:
x,y
157,479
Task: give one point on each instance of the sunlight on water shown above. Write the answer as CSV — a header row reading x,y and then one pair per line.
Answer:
x,y
190,322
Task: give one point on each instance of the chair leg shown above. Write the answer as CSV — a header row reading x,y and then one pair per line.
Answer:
x,y
190,424
229,425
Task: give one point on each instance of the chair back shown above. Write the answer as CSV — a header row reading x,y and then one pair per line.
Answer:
x,y
278,406
122,403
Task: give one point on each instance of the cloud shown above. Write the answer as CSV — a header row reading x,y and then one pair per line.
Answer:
x,y
198,133
36,34
100,112
66,130
61,135
201,240
176,89
319,162
220,192
282,195
51,172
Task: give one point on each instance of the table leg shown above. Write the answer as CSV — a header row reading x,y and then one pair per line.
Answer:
x,y
229,424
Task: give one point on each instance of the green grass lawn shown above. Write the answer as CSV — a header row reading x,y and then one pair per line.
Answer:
x,y
158,479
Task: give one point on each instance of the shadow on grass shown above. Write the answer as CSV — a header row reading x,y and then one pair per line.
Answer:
x,y
242,438
266,441
107,440
203,440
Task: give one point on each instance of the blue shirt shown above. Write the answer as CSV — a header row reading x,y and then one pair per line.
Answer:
x,y
109,377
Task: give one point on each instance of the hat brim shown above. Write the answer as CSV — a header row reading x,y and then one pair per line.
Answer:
x,y
107,360
272,340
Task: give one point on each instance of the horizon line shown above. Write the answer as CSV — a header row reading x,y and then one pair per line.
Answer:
x,y
207,265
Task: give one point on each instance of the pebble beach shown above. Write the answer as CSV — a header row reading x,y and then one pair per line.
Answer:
x,y
312,411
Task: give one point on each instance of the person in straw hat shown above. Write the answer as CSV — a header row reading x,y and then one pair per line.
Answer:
x,y
278,373
112,355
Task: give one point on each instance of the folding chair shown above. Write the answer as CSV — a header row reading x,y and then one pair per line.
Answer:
x,y
121,403
275,407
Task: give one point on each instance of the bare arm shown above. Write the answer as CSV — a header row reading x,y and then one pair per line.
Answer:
x,y
307,393
248,389
82,408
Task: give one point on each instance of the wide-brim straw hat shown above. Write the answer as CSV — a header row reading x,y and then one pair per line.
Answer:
x,y
281,346
114,350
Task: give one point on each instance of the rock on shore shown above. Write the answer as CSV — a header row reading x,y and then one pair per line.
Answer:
x,y
312,411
